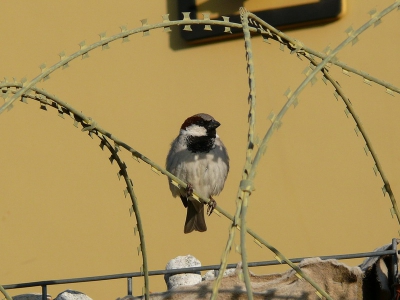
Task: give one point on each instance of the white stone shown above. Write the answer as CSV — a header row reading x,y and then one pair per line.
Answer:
x,y
182,262
30,297
72,295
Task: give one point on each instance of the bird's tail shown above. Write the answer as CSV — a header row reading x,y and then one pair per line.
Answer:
x,y
195,217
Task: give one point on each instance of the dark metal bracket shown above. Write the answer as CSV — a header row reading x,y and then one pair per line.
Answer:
x,y
321,12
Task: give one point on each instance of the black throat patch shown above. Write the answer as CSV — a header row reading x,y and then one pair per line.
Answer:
x,y
200,144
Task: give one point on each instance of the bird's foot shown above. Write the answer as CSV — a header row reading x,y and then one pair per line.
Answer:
x,y
211,205
189,190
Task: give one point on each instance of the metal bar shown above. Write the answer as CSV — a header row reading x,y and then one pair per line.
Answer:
x,y
187,270
351,256
44,292
129,286
216,273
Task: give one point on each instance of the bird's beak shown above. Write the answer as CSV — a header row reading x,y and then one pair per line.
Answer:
x,y
214,124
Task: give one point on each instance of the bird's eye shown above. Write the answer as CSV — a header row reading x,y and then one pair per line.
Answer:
x,y
202,123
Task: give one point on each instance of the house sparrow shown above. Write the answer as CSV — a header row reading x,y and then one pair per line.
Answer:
x,y
199,158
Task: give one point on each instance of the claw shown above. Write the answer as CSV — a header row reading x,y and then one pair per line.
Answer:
x,y
189,190
211,205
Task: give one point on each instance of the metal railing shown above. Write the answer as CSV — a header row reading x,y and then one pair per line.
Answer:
x,y
129,276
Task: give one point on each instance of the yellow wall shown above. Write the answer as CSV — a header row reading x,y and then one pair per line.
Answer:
x,y
62,209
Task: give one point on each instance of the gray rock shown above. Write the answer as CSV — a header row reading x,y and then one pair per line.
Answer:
x,y
181,262
72,295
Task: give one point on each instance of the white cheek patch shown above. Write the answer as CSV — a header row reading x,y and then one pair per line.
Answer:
x,y
195,130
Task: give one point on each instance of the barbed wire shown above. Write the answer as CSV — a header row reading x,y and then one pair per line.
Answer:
x,y
4,292
12,91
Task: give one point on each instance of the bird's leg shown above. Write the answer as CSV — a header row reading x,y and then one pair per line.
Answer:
x,y
188,193
211,205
